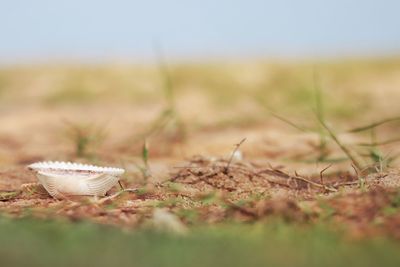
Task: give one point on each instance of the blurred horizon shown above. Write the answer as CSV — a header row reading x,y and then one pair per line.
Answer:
x,y
101,31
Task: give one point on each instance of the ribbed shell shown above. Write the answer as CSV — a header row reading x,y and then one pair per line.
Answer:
x,y
61,179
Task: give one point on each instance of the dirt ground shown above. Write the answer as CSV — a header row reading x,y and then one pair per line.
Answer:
x,y
275,172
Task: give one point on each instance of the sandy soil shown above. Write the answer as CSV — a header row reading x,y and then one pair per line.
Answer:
x,y
275,171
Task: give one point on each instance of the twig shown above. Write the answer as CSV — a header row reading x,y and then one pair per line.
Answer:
x,y
120,185
321,173
360,181
327,188
226,170
346,183
355,170
295,177
129,190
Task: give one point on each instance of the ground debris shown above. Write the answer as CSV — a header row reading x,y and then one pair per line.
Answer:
x,y
34,190
244,178
8,195
210,191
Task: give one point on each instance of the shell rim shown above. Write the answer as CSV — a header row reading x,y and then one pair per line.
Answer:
x,y
73,166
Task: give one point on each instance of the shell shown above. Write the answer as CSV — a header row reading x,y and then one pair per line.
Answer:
x,y
61,179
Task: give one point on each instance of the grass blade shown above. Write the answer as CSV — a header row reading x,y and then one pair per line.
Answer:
x,y
373,125
289,122
319,106
382,143
344,148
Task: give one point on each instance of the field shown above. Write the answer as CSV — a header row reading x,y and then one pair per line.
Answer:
x,y
241,163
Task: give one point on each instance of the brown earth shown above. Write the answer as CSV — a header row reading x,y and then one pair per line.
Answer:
x,y
274,174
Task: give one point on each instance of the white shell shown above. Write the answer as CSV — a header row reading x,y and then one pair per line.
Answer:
x,y
61,179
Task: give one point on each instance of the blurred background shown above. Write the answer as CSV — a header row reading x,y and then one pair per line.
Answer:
x,y
107,74
92,31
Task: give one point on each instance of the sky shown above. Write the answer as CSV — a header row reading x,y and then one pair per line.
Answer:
x,y
93,30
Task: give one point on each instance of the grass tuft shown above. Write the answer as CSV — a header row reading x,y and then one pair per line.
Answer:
x,y
84,137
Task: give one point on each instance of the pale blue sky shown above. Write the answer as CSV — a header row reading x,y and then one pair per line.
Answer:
x,y
45,30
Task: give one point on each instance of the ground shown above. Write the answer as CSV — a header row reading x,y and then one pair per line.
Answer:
x,y
246,147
